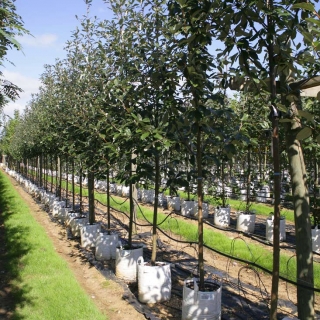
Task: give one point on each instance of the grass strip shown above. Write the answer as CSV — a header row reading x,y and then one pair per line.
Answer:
x,y
42,285
219,241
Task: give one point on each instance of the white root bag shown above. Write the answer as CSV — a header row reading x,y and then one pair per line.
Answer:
x,y
201,305
126,263
154,282
106,246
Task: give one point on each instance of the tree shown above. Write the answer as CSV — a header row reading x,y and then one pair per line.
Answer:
x,y
11,25
261,44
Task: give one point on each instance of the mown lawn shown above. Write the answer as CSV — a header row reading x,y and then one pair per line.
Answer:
x,y
41,285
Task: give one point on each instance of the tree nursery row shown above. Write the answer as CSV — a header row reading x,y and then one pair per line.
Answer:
x,y
146,96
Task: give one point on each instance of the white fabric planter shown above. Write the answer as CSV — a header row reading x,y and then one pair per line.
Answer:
x,y
222,216
64,214
126,263
57,208
53,200
69,216
76,224
146,196
106,246
246,222
188,207
315,239
139,194
151,194
263,195
154,282
125,191
173,203
119,189
243,195
160,199
201,305
205,210
89,234
269,229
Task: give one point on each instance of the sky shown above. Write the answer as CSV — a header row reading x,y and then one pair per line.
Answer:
x,y
51,23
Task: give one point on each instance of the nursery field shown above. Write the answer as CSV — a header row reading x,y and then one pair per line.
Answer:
x,y
245,289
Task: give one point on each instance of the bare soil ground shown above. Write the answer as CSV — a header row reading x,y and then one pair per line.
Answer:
x,y
245,290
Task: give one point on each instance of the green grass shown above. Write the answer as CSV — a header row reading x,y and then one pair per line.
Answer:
x,y
43,287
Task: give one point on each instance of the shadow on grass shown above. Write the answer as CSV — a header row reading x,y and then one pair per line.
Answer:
x,y
13,293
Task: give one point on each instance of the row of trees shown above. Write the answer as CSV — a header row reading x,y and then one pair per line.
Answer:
x,y
145,91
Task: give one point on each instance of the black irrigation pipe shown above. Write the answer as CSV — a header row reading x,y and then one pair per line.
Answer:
x,y
248,235
253,264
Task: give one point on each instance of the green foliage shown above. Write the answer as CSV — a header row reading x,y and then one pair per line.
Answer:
x,y
11,27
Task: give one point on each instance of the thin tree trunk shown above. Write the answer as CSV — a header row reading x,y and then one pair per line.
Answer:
x,y
200,216
60,178
73,188
80,173
108,202
67,181
57,176
276,164
300,194
155,210
92,219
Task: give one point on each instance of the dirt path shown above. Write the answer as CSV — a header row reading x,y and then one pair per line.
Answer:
x,y
108,295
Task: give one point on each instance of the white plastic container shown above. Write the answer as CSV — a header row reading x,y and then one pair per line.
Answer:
x,y
106,246
126,263
89,234
76,224
246,222
269,229
173,203
188,208
222,216
201,305
154,282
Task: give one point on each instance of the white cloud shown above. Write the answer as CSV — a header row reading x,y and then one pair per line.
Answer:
x,y
29,85
43,40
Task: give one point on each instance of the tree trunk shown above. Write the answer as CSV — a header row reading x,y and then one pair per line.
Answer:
x,y
67,181
80,173
92,218
108,201
200,216
300,194
73,188
133,200
155,210
60,178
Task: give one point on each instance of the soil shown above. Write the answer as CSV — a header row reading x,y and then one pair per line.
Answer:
x,y
245,293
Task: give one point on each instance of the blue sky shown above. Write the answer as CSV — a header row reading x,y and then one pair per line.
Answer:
x,y
51,23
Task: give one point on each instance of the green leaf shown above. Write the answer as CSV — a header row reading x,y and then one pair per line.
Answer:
x,y
304,6
318,138
304,133
285,120
305,114
145,135
315,21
